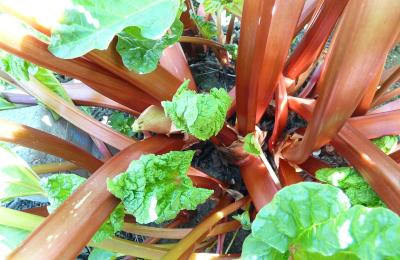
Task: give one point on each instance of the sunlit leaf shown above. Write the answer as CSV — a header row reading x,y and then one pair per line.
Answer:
x,y
60,186
315,221
92,24
10,238
142,54
16,178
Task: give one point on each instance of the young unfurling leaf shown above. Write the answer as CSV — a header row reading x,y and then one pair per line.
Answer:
x,y
60,186
315,221
201,115
156,187
251,145
244,219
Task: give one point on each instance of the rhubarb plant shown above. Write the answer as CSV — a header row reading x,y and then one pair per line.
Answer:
x,y
60,186
316,221
201,115
155,188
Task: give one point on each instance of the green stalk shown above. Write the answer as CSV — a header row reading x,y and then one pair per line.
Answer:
x,y
29,222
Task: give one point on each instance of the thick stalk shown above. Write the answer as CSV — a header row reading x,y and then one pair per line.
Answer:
x,y
73,224
348,72
42,141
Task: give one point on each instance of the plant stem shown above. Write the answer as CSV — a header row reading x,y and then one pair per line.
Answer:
x,y
200,40
54,167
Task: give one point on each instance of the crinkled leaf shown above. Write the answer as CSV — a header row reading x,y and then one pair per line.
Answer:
x,y
352,183
251,145
244,219
16,178
60,186
92,24
201,115
207,29
101,254
386,143
315,221
232,49
141,54
10,238
122,124
4,104
156,187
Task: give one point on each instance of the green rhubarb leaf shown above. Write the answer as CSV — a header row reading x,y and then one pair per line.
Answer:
x,y
156,187
352,183
251,145
201,115
315,221
10,238
122,124
92,24
142,54
244,219
4,104
60,186
207,29
16,178
386,143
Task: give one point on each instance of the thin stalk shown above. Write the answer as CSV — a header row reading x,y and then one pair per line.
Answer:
x,y
29,222
202,229
231,242
54,167
393,105
389,77
386,97
220,33
203,41
229,31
